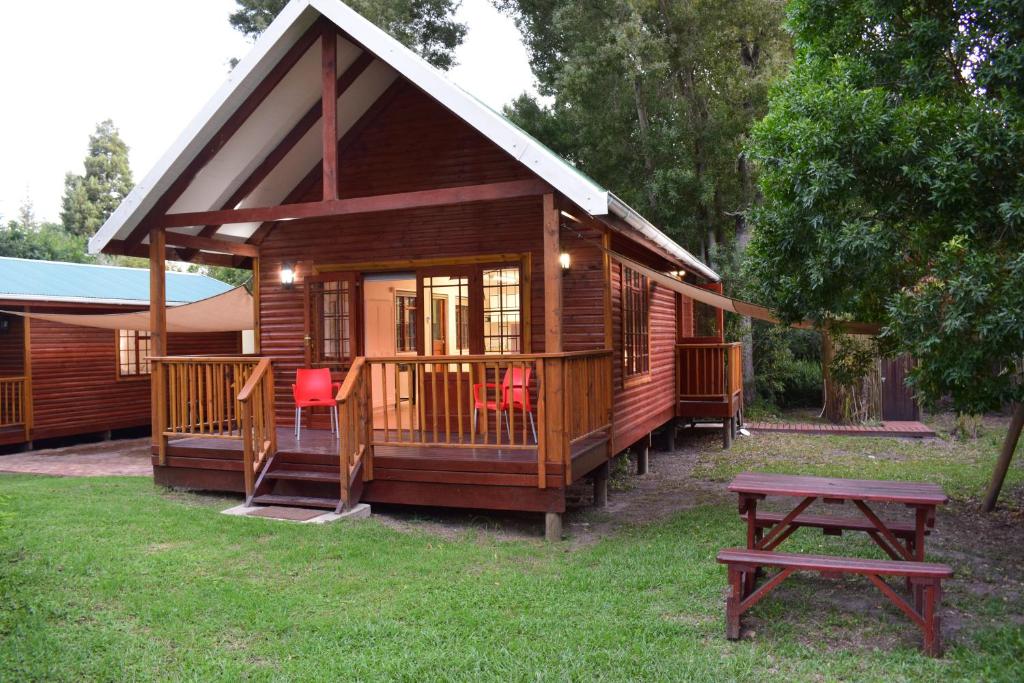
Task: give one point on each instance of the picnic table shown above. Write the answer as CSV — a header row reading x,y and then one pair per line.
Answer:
x,y
902,541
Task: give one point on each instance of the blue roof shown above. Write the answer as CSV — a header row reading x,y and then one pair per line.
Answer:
x,y
58,281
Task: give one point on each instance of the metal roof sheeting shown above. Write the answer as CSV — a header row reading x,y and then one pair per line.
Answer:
x,y
88,283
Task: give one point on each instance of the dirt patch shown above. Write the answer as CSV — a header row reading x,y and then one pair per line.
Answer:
x,y
126,457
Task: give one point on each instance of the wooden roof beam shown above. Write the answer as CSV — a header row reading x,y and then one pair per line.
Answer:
x,y
340,207
196,243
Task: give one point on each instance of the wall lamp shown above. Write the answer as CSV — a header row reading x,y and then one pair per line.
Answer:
x,y
565,261
287,275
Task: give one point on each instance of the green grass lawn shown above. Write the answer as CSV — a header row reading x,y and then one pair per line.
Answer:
x,y
114,579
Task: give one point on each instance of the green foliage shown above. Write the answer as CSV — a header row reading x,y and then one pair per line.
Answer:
x,y
47,242
90,199
426,26
232,276
787,366
654,99
892,167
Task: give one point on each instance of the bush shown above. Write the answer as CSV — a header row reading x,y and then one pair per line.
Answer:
x,y
787,366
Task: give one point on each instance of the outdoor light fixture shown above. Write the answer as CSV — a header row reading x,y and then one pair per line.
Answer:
x,y
287,275
564,261
5,324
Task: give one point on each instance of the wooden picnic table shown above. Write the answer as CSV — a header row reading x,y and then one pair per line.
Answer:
x,y
766,531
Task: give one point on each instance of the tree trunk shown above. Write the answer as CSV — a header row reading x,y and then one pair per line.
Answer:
x,y
645,140
1005,456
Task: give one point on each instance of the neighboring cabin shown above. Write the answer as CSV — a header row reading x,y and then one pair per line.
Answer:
x,y
59,380
426,251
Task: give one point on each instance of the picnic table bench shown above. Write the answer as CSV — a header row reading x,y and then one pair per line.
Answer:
x,y
903,542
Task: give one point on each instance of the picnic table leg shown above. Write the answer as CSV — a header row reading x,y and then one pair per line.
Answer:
x,y
753,539
932,623
732,605
916,547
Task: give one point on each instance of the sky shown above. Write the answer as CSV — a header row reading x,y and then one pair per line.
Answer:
x,y
151,66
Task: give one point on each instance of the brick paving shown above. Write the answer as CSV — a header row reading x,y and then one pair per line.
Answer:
x,y
123,457
890,428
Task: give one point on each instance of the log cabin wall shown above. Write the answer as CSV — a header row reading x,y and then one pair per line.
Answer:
x,y
413,143
643,404
75,387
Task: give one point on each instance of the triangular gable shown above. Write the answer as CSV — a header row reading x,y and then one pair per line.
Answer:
x,y
391,56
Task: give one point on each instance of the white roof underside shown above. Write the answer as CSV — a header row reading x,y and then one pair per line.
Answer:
x,y
293,96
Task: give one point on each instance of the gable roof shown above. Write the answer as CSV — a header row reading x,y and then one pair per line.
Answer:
x,y
25,279
232,165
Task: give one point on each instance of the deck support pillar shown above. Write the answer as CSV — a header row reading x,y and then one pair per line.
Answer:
x,y
601,486
158,331
670,437
643,458
553,526
727,432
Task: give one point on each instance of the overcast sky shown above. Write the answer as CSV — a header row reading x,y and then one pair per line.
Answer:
x,y
150,66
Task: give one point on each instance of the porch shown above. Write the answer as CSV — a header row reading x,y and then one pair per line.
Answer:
x,y
456,431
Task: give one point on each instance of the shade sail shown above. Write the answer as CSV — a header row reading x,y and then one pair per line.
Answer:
x,y
227,312
736,306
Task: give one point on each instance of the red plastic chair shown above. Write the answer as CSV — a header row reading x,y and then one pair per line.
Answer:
x,y
313,388
515,394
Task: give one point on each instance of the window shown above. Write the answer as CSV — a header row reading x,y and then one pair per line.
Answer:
x,y
133,349
636,353
405,321
332,315
502,330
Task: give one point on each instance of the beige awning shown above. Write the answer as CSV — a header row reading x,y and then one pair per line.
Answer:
x,y
736,306
231,311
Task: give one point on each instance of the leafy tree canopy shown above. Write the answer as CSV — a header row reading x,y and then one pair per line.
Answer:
x,y
892,167
90,199
426,26
654,99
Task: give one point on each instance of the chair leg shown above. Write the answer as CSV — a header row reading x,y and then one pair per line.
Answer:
x,y
472,434
298,423
533,426
508,425
337,420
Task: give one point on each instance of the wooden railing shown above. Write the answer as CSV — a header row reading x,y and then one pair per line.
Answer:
x,y
13,401
355,432
258,425
545,402
708,371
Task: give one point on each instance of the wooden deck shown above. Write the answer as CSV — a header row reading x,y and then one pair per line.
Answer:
x,y
503,478
887,428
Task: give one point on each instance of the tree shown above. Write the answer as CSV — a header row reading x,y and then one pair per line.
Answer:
x,y
90,199
655,98
892,167
426,26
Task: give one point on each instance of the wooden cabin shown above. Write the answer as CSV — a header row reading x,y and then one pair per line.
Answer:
x,y
500,326
60,380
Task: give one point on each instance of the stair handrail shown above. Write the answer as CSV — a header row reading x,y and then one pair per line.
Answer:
x,y
355,423
259,428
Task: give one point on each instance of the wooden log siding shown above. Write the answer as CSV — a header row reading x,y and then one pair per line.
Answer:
x,y
647,403
75,388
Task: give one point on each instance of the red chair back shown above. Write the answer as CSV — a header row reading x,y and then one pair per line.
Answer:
x,y
313,385
516,388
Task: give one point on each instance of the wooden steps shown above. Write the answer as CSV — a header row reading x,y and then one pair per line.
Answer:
x,y
327,477
296,501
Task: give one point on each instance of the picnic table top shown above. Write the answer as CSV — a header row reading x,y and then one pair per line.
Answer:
x,y
916,493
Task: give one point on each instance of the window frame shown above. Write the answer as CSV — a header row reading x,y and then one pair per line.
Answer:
x,y
633,332
136,336
405,329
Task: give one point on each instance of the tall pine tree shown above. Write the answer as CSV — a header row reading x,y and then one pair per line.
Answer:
x,y
89,199
426,26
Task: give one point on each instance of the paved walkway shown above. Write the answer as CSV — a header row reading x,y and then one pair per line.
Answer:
x,y
124,457
890,428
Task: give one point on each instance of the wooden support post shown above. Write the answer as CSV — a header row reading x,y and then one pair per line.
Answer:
x,y
553,526
601,486
727,433
256,304
329,58
552,278
158,333
670,437
643,458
